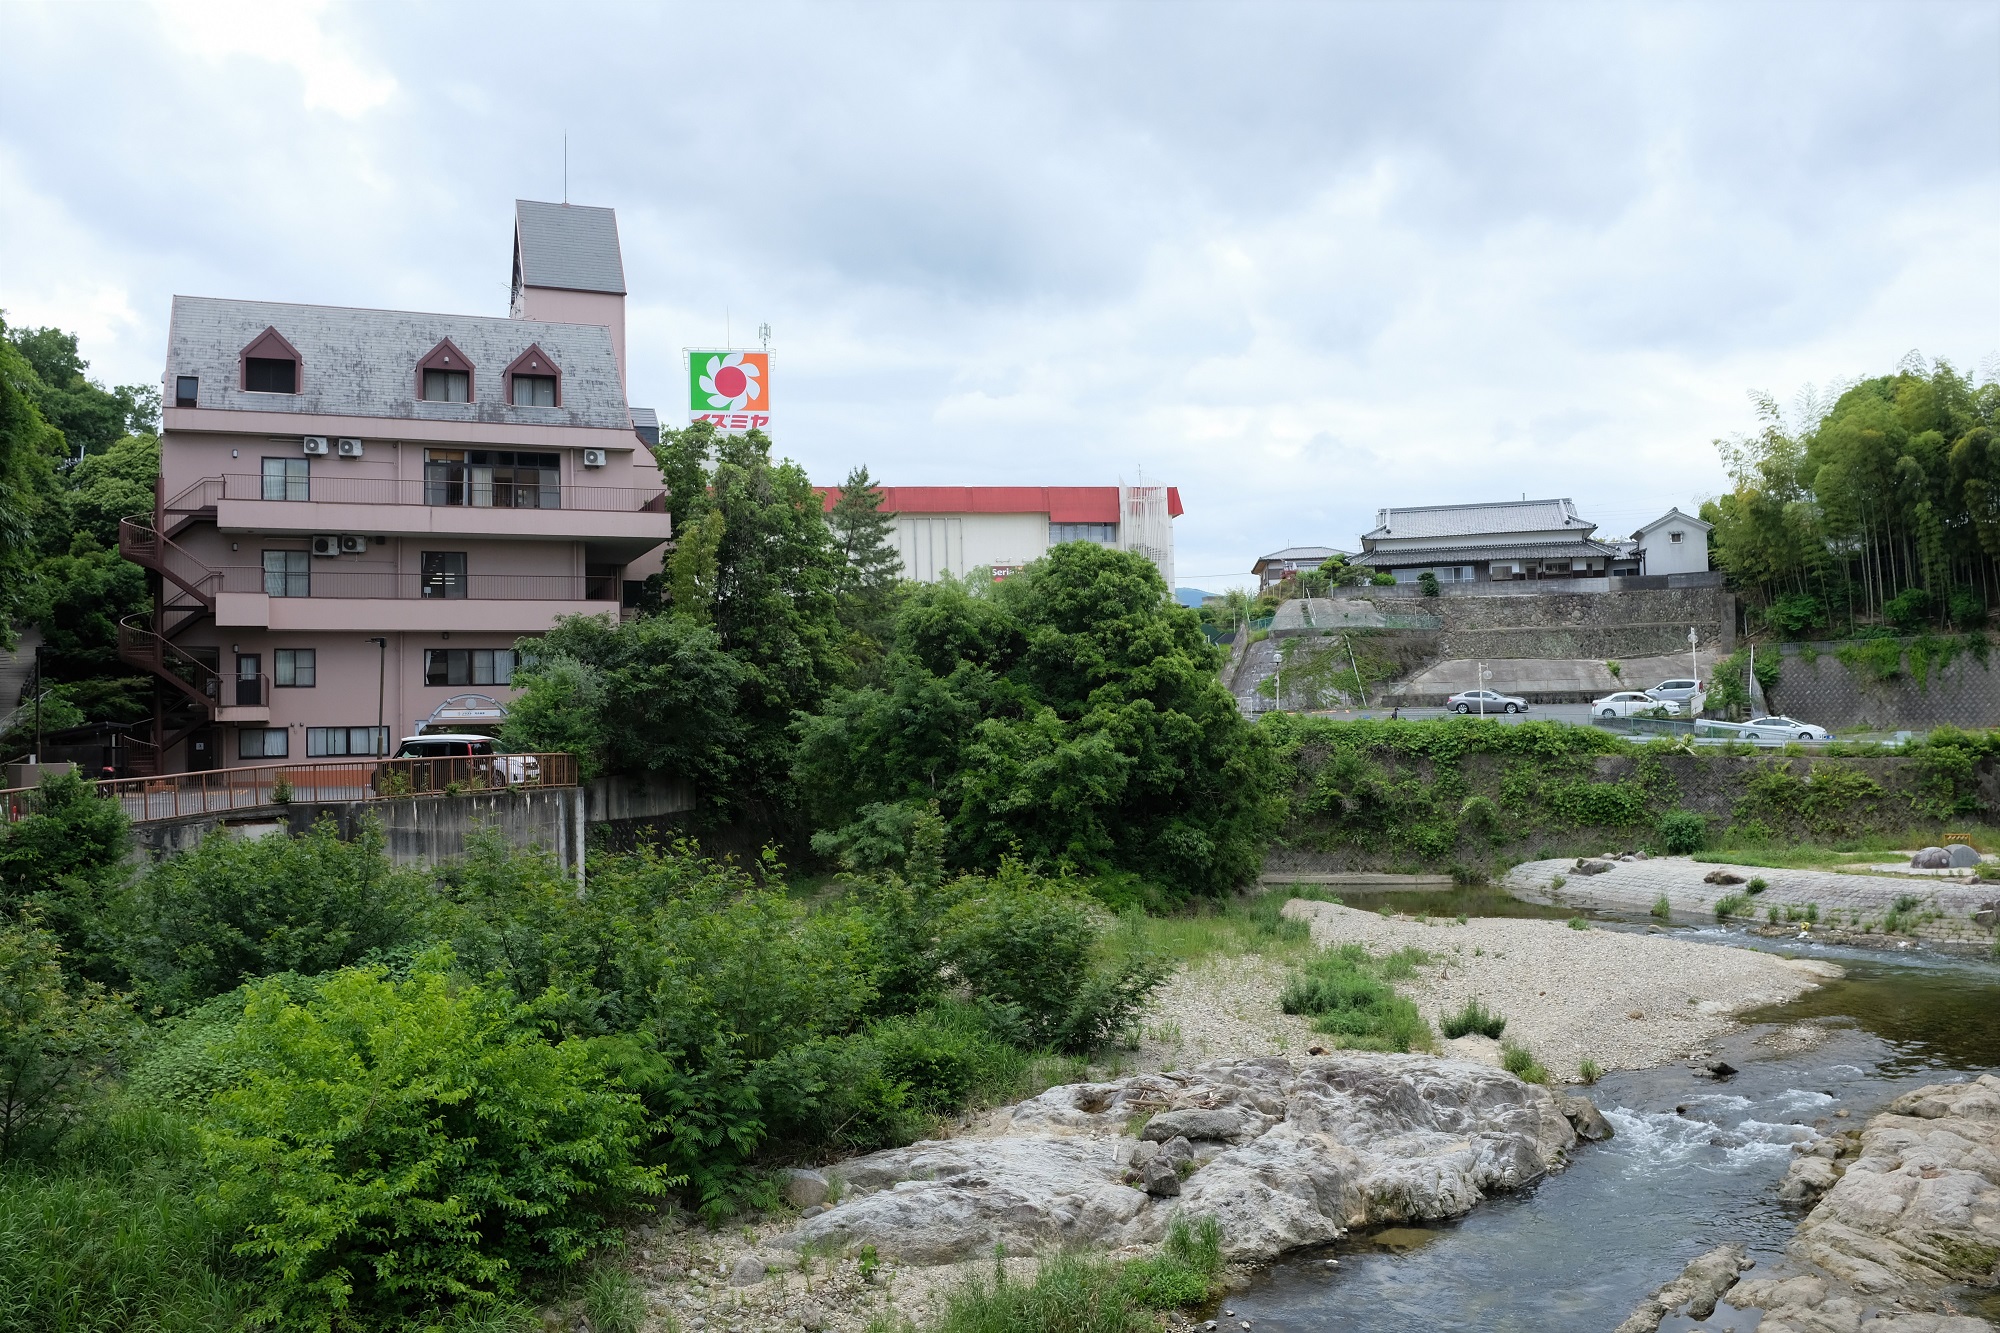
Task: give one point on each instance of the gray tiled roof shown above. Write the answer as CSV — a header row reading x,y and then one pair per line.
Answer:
x,y
646,422
1579,549
570,246
1317,553
1478,520
363,363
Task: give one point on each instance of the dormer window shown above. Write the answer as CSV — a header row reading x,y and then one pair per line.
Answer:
x,y
270,365
447,386
533,380
445,376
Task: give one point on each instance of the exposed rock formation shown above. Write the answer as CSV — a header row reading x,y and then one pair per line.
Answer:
x,y
1283,1155
1699,1287
1916,1210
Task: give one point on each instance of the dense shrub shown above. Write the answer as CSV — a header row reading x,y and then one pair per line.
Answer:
x,y
54,1039
1037,948
1796,615
1474,1017
234,909
1681,832
950,1053
398,1146
66,859
1347,994
1909,610
1521,1063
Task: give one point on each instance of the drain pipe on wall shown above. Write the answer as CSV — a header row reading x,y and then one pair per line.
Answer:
x,y
579,839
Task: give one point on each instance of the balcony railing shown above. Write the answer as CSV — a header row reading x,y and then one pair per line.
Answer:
x,y
391,586
181,794
321,489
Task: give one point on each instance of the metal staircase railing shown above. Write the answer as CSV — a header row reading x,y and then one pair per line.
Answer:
x,y
142,543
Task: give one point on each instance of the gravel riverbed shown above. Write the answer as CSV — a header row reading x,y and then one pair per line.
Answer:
x,y
1623,999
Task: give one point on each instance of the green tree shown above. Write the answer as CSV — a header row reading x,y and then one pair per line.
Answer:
x,y
771,594
1071,714
871,567
234,909
27,481
655,694
55,1038
65,860
90,416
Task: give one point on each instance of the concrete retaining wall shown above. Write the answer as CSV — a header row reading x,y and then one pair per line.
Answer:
x,y
424,830
1818,687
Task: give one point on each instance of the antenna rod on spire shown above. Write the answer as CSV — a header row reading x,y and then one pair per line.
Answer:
x,y
565,166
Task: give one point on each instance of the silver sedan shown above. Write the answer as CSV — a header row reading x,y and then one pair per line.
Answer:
x,y
1486,701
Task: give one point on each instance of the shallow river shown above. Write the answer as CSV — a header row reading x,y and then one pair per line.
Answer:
x,y
1694,1164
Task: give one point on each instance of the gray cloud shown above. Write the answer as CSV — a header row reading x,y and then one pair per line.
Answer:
x,y
1302,260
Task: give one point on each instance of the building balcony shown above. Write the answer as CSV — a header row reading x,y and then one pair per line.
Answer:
x,y
342,600
624,521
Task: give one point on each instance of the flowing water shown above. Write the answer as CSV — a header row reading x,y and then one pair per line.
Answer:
x,y
1694,1164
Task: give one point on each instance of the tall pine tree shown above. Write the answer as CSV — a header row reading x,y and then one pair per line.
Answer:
x,y
871,569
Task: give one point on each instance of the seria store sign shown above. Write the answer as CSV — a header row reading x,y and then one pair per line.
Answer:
x,y
731,389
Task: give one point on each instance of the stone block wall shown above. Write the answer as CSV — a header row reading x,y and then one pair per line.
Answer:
x,y
1630,623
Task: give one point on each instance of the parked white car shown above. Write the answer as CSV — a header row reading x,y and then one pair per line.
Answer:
x,y
1766,728
1631,703
1687,695
482,755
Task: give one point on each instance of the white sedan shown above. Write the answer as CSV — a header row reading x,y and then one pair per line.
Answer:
x,y
1768,728
1631,703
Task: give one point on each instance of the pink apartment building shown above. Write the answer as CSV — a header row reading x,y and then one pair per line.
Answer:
x,y
361,511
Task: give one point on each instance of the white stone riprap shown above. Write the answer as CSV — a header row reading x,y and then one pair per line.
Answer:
x,y
1622,999
1634,886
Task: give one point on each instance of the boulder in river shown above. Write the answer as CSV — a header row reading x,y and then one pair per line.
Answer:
x,y
1700,1285
1302,1153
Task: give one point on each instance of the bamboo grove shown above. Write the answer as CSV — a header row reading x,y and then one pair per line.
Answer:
x,y
1877,502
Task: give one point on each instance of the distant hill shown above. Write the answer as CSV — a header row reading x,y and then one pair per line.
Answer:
x,y
1190,596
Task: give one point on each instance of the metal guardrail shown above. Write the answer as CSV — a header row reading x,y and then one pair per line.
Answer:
x,y
1701,730
358,779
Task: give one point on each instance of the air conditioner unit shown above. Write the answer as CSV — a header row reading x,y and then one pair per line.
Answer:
x,y
315,444
350,448
326,546
593,458
353,545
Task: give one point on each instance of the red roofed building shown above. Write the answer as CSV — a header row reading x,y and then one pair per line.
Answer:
x,y
952,529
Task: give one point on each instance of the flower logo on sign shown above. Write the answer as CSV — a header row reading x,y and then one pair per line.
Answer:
x,y
730,382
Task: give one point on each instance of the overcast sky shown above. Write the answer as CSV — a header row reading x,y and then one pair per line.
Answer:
x,y
1302,261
